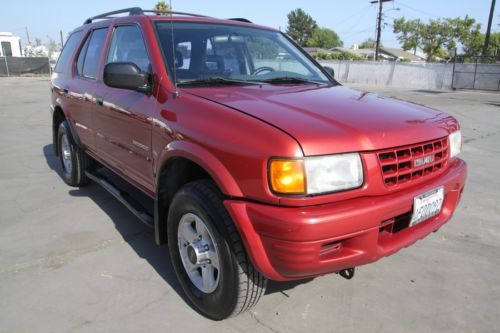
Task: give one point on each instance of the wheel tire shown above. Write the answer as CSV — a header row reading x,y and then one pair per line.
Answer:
x,y
74,162
239,285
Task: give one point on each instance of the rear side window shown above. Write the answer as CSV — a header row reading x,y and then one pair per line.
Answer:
x,y
88,60
127,45
67,52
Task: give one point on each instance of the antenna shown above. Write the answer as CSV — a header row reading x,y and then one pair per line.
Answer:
x,y
176,92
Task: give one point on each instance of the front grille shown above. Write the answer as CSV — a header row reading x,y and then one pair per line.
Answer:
x,y
405,164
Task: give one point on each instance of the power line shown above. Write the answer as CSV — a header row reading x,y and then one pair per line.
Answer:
x,y
414,9
358,13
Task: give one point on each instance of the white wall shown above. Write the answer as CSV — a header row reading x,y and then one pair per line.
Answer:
x,y
14,44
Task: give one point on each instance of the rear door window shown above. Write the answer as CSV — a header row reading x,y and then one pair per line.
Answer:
x,y
88,60
68,50
127,45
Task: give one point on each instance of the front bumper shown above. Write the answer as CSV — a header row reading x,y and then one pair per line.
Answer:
x,y
287,243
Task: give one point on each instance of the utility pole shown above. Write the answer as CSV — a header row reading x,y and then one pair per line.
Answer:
x,y
379,24
487,38
28,35
62,40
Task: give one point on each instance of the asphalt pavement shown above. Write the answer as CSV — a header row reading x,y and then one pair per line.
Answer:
x,y
75,260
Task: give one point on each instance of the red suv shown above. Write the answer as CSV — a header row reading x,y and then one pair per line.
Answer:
x,y
244,154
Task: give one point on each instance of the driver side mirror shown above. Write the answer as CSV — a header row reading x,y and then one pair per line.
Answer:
x,y
329,71
127,75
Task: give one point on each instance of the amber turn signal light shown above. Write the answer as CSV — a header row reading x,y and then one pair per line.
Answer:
x,y
287,176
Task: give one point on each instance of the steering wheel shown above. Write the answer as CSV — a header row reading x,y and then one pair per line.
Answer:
x,y
262,69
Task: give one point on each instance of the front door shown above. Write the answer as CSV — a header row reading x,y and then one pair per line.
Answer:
x,y
123,118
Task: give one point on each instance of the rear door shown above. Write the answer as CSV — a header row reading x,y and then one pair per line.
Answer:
x,y
81,88
123,118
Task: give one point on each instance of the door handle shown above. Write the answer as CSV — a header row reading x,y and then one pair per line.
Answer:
x,y
99,101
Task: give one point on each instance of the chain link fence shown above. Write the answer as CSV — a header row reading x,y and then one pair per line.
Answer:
x,y
17,66
482,73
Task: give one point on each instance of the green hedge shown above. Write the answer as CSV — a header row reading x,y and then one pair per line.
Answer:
x,y
336,55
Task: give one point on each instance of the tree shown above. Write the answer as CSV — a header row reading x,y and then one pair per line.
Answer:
x,y
262,48
369,44
446,33
53,46
437,37
474,45
301,26
162,6
324,38
410,33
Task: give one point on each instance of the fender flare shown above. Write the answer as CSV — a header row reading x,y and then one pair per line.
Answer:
x,y
73,135
207,161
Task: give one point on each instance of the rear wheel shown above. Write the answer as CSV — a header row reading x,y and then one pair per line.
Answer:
x,y
208,255
74,162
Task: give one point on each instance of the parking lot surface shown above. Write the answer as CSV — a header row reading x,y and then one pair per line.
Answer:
x,y
75,260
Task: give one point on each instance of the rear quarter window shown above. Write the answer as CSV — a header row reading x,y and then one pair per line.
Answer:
x,y
68,50
88,60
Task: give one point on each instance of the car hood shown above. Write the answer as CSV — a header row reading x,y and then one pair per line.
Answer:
x,y
334,119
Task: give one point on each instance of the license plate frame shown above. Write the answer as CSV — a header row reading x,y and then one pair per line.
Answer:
x,y
427,205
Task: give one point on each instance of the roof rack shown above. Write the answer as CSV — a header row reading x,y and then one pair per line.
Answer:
x,y
137,11
130,11
167,12
240,19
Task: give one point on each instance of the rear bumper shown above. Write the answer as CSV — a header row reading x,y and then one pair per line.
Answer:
x,y
287,243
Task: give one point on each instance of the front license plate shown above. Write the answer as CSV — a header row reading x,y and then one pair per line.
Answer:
x,y
427,205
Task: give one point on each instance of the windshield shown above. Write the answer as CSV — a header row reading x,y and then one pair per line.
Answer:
x,y
203,52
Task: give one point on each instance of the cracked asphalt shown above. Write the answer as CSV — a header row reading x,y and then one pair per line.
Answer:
x,y
75,260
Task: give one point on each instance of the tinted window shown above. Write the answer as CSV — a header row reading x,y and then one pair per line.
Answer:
x,y
127,45
67,52
81,58
92,52
238,52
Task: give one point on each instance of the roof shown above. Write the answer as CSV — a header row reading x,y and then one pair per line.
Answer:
x,y
400,54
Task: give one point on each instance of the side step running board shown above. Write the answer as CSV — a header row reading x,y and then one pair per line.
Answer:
x,y
125,199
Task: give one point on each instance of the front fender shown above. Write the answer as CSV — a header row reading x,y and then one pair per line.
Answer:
x,y
204,159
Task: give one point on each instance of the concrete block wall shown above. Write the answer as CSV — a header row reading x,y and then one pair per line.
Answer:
x,y
418,76
405,75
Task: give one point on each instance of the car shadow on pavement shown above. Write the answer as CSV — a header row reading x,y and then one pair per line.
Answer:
x,y
139,237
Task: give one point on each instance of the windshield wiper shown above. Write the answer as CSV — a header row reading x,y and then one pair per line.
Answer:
x,y
290,79
214,80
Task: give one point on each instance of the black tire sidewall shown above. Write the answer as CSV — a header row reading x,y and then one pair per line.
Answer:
x,y
69,178
220,303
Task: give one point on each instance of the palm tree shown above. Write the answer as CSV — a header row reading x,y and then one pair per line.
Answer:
x,y
162,7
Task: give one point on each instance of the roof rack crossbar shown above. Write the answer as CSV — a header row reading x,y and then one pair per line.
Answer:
x,y
137,11
130,11
168,12
240,19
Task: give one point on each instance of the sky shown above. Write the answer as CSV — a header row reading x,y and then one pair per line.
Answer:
x,y
353,20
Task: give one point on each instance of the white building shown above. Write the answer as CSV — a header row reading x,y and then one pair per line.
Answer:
x,y
10,45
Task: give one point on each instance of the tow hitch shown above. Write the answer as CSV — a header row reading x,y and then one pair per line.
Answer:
x,y
347,273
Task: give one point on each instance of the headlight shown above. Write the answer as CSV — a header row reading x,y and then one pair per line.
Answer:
x,y
333,173
455,140
315,175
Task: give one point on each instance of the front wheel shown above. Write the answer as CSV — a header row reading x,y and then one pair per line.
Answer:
x,y
208,255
